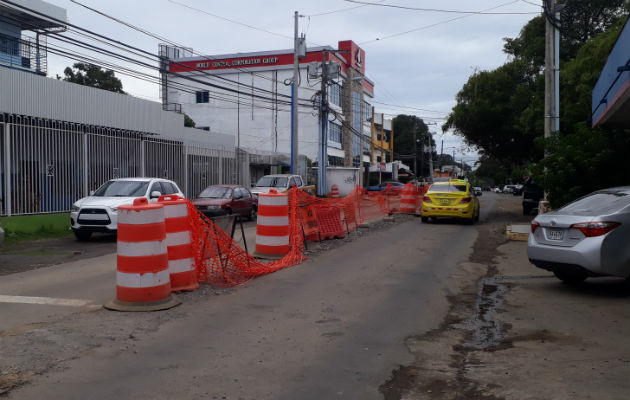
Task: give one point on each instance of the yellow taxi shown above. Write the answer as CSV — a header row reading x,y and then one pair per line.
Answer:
x,y
451,199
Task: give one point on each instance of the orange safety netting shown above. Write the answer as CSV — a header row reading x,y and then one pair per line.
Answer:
x,y
219,260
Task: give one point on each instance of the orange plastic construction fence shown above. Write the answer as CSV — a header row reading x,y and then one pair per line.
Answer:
x,y
219,260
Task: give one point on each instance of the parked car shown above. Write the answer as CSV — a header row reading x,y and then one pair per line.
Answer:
x,y
496,190
588,237
477,191
508,189
217,200
517,190
532,194
382,186
280,182
452,199
99,211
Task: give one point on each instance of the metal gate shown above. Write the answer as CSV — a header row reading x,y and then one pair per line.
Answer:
x,y
46,165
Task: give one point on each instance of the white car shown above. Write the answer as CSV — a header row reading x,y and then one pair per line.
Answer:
x,y
99,211
279,182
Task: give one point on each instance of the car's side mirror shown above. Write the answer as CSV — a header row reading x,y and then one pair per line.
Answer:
x,y
155,194
91,193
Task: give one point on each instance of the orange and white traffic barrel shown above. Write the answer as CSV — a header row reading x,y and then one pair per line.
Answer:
x,y
409,198
272,228
142,279
334,191
181,259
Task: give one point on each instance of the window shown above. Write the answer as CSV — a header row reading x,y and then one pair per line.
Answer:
x,y
367,111
155,187
334,94
334,133
357,123
168,188
298,181
202,96
335,161
292,182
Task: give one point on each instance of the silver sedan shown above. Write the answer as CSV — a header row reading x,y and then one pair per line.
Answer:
x,y
588,237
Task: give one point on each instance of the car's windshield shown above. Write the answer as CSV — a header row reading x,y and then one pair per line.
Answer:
x,y
216,192
272,181
447,188
122,189
599,203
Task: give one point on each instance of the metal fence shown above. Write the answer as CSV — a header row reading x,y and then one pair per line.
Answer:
x,y
47,165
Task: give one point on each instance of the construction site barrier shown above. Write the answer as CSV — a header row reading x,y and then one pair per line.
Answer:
x,y
409,199
181,261
220,261
329,221
334,191
142,278
272,228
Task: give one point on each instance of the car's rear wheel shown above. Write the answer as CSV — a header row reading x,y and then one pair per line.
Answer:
x,y
83,236
252,214
425,219
526,210
571,277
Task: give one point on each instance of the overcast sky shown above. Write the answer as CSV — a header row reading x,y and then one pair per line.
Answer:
x,y
420,60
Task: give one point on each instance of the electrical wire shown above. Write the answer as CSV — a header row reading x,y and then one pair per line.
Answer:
x,y
147,53
438,10
436,24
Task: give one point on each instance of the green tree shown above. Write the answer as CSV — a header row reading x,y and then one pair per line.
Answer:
x,y
404,141
580,159
502,111
94,76
188,122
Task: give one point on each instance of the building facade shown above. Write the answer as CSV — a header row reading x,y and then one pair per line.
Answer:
x,y
60,140
248,95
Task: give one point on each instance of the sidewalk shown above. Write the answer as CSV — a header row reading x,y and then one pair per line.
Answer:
x,y
560,341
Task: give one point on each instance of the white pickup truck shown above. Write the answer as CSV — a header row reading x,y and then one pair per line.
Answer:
x,y
280,182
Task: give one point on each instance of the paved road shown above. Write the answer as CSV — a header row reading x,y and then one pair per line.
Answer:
x,y
332,327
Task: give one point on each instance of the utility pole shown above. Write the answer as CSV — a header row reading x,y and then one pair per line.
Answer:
x,y
552,38
294,98
552,64
322,184
415,148
430,158
441,154
372,138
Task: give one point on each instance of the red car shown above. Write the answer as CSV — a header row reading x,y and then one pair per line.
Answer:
x,y
217,200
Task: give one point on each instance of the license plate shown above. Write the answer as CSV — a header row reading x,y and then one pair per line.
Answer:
x,y
555,234
445,201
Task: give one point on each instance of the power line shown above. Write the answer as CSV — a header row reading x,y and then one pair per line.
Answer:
x,y
439,10
151,55
231,20
436,24
409,107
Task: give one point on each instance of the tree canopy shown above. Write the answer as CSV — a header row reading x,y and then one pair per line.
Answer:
x,y
502,111
404,141
94,76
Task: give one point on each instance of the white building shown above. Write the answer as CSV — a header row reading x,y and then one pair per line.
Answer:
x,y
59,140
248,95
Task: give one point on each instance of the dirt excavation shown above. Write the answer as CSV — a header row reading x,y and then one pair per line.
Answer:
x,y
519,333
